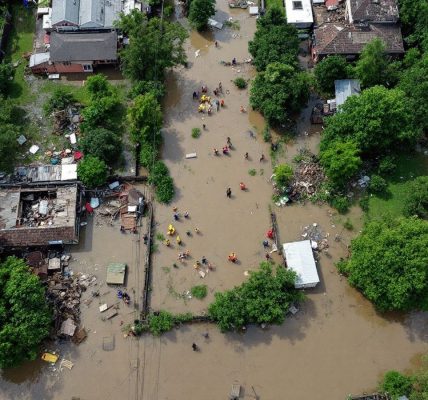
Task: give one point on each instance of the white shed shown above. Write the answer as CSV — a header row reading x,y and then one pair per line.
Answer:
x,y
299,13
299,258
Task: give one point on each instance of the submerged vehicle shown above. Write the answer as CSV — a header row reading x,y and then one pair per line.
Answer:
x,y
238,4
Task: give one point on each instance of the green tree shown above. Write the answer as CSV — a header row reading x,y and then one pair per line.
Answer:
x,y
92,171
396,384
98,86
264,298
144,87
389,263
102,112
161,322
283,175
279,92
199,13
416,202
60,100
414,21
372,66
414,82
274,41
6,74
102,143
25,318
8,146
328,70
377,121
145,119
154,46
341,161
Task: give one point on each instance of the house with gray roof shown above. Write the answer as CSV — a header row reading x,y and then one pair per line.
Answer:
x,y
65,13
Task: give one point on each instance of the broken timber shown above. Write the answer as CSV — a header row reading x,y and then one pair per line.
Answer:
x,y
275,232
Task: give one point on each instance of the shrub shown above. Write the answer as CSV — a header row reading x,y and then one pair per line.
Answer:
x,y
364,203
143,87
348,225
199,291
417,198
396,384
160,323
240,82
158,172
267,137
252,172
102,143
377,184
59,100
92,171
283,175
196,132
340,203
98,86
181,318
165,190
147,155
387,165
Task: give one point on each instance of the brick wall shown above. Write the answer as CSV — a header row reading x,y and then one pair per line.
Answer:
x,y
36,236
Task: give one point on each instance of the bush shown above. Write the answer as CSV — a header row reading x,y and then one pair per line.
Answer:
x,y
417,198
267,137
156,88
387,165
348,225
100,113
147,155
59,100
199,291
98,86
252,172
396,384
377,184
181,318
160,323
240,82
196,132
92,171
168,11
364,203
165,190
6,74
328,70
199,13
263,299
158,172
340,203
283,175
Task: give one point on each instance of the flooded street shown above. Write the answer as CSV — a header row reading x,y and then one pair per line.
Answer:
x,y
335,345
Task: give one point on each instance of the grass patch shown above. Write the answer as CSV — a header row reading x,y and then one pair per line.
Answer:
x,y
409,166
252,172
160,236
348,225
20,42
199,291
196,132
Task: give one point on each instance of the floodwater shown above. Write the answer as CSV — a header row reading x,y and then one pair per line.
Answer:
x,y
335,345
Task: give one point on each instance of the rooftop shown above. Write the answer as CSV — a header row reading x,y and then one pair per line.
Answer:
x,y
337,38
345,88
36,216
373,10
298,11
83,46
65,11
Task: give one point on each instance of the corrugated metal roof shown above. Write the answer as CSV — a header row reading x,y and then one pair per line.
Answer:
x,y
300,259
65,10
83,46
92,14
345,88
116,274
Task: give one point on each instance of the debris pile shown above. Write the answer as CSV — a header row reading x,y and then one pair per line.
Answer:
x,y
41,209
64,293
66,121
319,239
308,177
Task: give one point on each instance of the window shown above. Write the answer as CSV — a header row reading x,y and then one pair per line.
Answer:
x,y
87,68
297,5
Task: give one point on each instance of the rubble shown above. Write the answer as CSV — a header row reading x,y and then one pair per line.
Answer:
x,y
319,239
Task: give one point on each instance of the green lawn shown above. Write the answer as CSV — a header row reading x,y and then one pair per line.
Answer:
x,y
408,168
20,41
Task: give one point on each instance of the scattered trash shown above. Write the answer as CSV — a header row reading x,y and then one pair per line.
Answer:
x,y
191,155
103,307
73,138
197,52
293,310
114,185
95,202
67,364
50,357
364,181
21,140
34,149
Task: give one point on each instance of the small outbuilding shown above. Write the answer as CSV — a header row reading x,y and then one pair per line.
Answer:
x,y
116,274
345,88
300,258
299,13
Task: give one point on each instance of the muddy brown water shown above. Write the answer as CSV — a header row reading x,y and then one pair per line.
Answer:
x,y
335,345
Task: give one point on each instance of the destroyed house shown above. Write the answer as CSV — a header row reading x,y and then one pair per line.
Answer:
x,y
39,216
379,11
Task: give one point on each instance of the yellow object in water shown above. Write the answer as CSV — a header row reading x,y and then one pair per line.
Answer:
x,y
171,230
49,357
178,239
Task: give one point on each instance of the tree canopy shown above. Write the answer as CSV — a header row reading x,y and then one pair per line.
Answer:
x,y
416,202
6,73
372,66
283,174
92,171
154,45
279,92
25,318
341,161
274,40
264,298
199,13
59,100
414,21
9,132
102,143
145,118
376,121
389,263
328,70
98,86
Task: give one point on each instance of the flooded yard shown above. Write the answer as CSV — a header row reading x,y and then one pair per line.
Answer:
x,y
335,345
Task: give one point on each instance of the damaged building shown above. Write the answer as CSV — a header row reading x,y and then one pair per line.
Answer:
x,y
39,216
